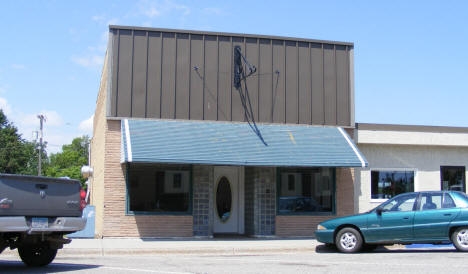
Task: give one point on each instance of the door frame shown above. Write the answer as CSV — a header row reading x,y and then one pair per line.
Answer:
x,y
217,173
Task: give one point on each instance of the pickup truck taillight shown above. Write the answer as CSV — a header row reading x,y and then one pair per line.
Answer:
x,y
82,199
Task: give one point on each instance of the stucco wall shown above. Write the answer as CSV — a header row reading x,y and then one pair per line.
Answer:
x,y
424,160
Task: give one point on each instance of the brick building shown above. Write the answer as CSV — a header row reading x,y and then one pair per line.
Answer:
x,y
202,133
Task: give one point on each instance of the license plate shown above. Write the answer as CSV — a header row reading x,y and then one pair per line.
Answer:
x,y
40,223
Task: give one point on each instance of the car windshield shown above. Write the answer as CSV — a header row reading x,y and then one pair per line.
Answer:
x,y
402,202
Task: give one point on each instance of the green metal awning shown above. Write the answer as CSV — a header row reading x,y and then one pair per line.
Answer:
x,y
224,143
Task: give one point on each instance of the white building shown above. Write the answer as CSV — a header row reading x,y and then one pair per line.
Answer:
x,y
408,158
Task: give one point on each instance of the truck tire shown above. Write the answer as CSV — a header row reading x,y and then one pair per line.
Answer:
x,y
37,254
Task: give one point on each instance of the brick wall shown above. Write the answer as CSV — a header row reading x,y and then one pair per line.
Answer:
x,y
306,225
116,222
98,152
108,189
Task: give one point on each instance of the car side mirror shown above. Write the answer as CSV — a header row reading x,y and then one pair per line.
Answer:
x,y
379,211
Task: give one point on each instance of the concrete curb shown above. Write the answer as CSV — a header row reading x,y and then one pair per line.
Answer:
x,y
102,247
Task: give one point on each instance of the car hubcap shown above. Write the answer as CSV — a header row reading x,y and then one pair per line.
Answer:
x,y
462,237
348,240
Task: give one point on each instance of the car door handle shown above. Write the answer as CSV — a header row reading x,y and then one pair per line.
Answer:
x,y
448,214
405,218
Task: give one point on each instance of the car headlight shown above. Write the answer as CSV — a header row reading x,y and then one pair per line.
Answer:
x,y
319,227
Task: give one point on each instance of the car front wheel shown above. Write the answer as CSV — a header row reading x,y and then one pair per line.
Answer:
x,y
460,239
348,240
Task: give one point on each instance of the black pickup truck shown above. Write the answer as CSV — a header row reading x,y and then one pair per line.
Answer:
x,y
35,214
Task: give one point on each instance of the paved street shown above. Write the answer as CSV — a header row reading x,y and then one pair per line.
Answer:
x,y
321,260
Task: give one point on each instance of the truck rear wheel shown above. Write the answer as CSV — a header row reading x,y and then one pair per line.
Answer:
x,y
37,254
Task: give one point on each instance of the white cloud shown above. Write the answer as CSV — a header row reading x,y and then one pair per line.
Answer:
x,y
5,106
157,8
98,18
53,119
112,21
18,66
87,125
56,133
90,61
147,24
151,12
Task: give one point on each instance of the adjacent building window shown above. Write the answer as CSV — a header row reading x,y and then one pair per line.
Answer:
x,y
452,178
387,183
306,190
159,189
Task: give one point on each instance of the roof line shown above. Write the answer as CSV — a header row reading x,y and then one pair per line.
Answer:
x,y
414,128
232,34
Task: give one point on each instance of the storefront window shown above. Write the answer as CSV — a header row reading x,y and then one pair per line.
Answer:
x,y
453,178
158,189
306,191
388,183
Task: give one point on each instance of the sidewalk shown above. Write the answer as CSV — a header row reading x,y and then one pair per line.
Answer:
x,y
109,246
116,246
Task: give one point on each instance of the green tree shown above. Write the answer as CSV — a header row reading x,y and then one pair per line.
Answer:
x,y
17,156
68,163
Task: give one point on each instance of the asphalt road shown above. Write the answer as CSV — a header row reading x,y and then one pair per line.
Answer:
x,y
323,260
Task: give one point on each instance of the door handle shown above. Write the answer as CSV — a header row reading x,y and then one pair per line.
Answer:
x,y
448,214
405,218
41,186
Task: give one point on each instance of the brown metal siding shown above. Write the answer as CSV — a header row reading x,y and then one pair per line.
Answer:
x,y
251,53
318,110
224,79
342,86
237,109
196,80
153,105
174,74
139,74
305,94
265,77
279,90
124,81
210,75
182,77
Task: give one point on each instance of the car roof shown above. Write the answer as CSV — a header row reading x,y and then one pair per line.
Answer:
x,y
434,191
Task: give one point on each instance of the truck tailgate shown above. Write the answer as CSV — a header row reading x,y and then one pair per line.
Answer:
x,y
22,195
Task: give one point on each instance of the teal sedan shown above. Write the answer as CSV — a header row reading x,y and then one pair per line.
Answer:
x,y
434,217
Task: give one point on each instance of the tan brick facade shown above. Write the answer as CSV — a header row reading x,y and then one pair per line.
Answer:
x,y
109,188
306,225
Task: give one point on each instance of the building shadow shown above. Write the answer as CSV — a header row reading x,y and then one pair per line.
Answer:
x,y
227,237
15,266
386,249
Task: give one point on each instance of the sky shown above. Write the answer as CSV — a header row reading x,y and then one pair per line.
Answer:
x,y
411,57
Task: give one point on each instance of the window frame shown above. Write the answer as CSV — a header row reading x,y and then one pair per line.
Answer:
x,y
160,167
386,169
279,170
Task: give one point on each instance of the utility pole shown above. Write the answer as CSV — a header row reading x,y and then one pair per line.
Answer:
x,y
39,163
